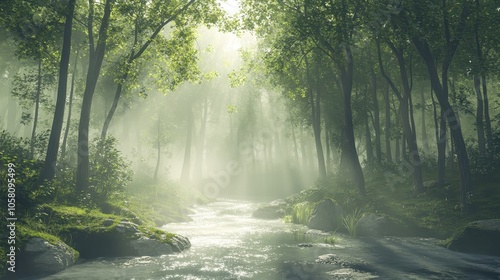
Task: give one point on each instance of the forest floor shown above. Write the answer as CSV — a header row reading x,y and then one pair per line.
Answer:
x,y
436,212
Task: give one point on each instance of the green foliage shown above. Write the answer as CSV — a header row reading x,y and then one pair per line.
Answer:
x,y
350,221
300,213
109,173
489,163
16,151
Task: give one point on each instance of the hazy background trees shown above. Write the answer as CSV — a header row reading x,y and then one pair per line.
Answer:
x,y
185,92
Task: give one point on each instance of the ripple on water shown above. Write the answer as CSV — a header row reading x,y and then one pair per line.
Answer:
x,y
228,244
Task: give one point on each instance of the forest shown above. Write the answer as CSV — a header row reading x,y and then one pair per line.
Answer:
x,y
249,139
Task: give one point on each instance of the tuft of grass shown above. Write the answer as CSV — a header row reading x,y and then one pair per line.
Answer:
x,y
332,239
300,213
351,221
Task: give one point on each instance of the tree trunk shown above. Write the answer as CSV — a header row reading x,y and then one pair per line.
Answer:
x,y
388,151
96,57
479,116
376,121
186,166
328,149
368,139
200,145
37,109
425,139
158,148
70,108
316,120
350,141
112,110
295,146
441,147
49,167
440,91
487,120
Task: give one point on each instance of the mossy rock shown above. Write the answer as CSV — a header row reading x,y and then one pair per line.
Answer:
x,y
273,210
479,237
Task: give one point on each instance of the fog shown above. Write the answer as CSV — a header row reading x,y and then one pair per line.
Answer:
x,y
240,143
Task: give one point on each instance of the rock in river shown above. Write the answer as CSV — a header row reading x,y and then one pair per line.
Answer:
x,y
43,257
479,237
327,216
273,210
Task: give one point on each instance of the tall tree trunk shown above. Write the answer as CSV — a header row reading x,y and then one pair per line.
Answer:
x,y
376,120
441,147
316,119
350,141
112,110
388,152
479,116
406,113
295,146
37,108
368,139
303,151
96,57
487,120
186,166
425,139
328,149
200,144
440,90
158,148
70,108
49,167
436,122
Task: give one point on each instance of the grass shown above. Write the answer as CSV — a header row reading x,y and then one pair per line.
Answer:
x,y
332,239
351,221
300,213
434,213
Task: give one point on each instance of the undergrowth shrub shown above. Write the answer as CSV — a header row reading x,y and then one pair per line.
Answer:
x,y
351,221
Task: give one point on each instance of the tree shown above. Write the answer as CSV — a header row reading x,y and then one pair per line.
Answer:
x,y
146,17
96,56
423,31
48,169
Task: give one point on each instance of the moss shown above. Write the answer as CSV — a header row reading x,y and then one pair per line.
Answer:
x,y
158,234
434,213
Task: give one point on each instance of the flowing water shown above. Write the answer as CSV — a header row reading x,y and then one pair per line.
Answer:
x,y
227,243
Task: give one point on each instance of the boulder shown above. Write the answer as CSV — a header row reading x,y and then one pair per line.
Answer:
x,y
44,258
373,225
180,243
145,246
327,216
127,227
479,237
273,210
124,239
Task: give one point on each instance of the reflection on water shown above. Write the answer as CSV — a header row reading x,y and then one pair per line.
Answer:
x,y
227,243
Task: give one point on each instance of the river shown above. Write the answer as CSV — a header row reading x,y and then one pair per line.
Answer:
x,y
227,243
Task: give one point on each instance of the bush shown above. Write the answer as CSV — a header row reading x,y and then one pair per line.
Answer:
x,y
109,173
25,172
489,163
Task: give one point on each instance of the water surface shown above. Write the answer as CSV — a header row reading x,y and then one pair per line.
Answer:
x,y
227,243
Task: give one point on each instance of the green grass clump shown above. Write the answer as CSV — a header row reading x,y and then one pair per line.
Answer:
x,y
332,239
300,213
351,221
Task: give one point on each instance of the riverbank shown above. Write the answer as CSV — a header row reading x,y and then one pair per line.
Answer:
x,y
53,236
434,213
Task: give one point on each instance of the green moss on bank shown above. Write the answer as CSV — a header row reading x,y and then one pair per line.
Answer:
x,y
434,213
